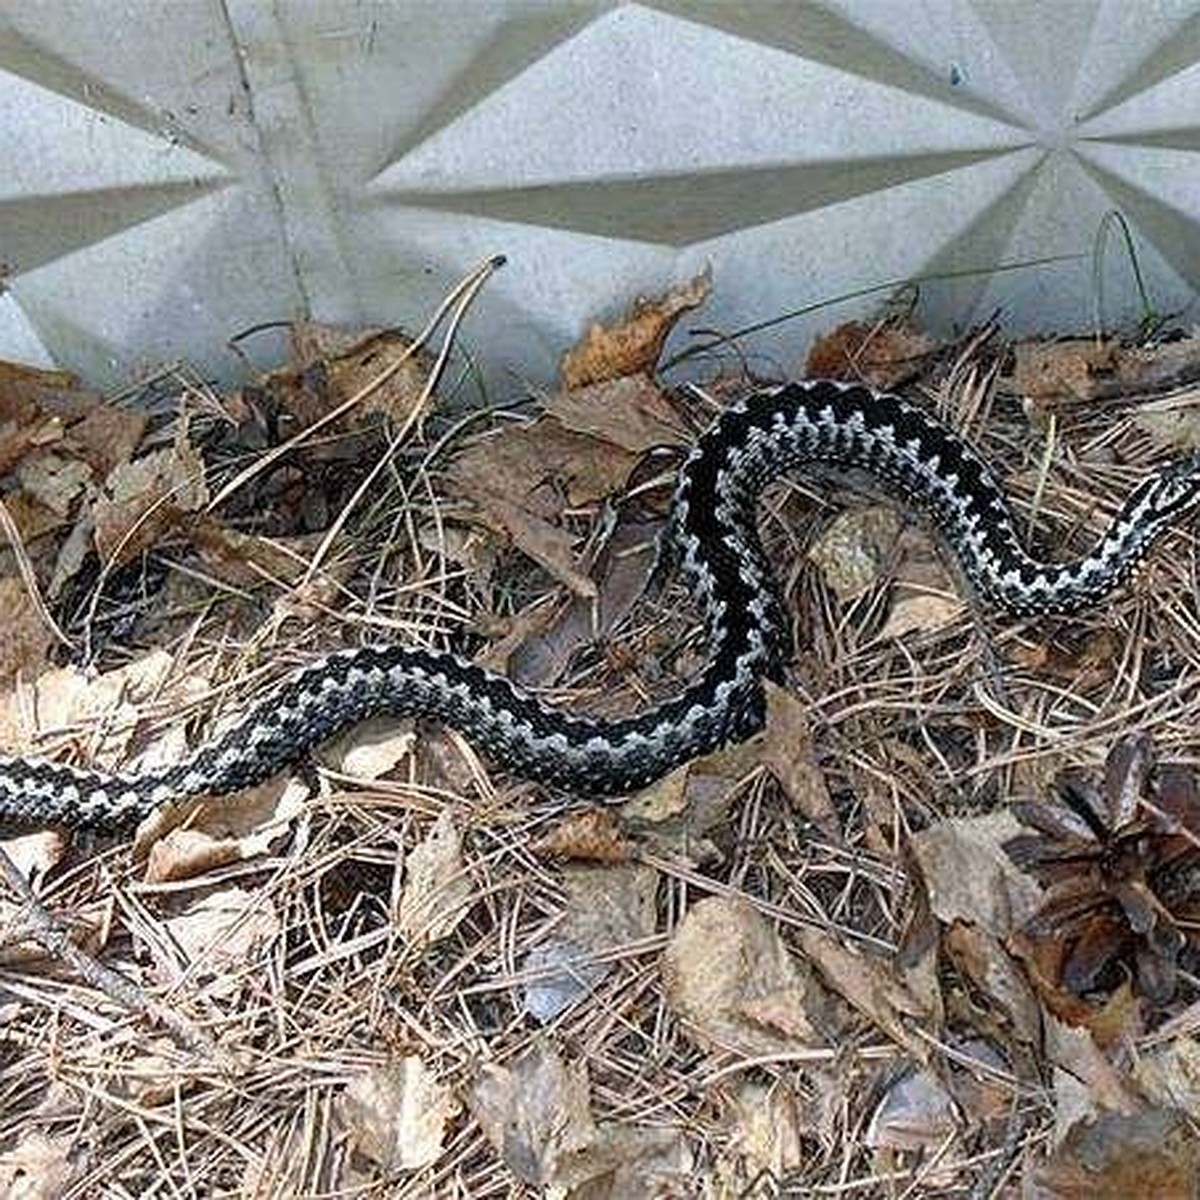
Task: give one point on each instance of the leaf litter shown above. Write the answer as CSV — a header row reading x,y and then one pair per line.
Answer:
x,y
916,937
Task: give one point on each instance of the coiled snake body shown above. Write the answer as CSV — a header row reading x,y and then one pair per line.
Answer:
x,y
712,526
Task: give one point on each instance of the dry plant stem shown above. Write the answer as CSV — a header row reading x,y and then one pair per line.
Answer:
x,y
54,937
466,287
28,578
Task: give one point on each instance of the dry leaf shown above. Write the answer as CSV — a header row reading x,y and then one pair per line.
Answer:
x,y
606,908
54,481
868,985
66,699
593,835
371,748
397,1115
630,412
437,889
107,436
536,1113
335,365
218,938
244,559
884,355
728,976
632,346
1069,369
916,1113
145,499
971,878
1169,1075
788,753
25,639
770,1128
1144,1154
39,1168
219,829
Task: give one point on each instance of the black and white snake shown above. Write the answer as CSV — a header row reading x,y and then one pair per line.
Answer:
x,y
846,427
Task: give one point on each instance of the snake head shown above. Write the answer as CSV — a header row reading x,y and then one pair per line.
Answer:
x,y
1176,489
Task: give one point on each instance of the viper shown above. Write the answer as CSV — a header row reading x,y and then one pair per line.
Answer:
x,y
712,531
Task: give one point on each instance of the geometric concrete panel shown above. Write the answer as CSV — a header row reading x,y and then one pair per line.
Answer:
x,y
179,173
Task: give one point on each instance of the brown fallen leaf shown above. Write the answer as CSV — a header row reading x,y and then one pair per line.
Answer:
x,y
438,890
970,876
215,940
629,412
788,753
593,835
333,366
145,499
632,346
868,985
219,829
1120,1157
397,1114
729,977
106,436
66,699
25,638
1071,369
536,1112
607,907
884,354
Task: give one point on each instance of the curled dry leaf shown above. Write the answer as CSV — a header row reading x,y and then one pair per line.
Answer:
x,y
885,354
437,888
219,829
397,1115
384,366
144,500
632,346
730,978
593,835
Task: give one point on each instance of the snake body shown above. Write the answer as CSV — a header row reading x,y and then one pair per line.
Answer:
x,y
712,529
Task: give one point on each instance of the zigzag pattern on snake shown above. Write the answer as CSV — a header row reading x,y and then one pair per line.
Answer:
x,y
846,427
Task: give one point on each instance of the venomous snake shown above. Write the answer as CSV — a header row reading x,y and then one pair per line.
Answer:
x,y
712,532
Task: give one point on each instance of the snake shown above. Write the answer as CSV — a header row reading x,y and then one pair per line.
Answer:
x,y
713,541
